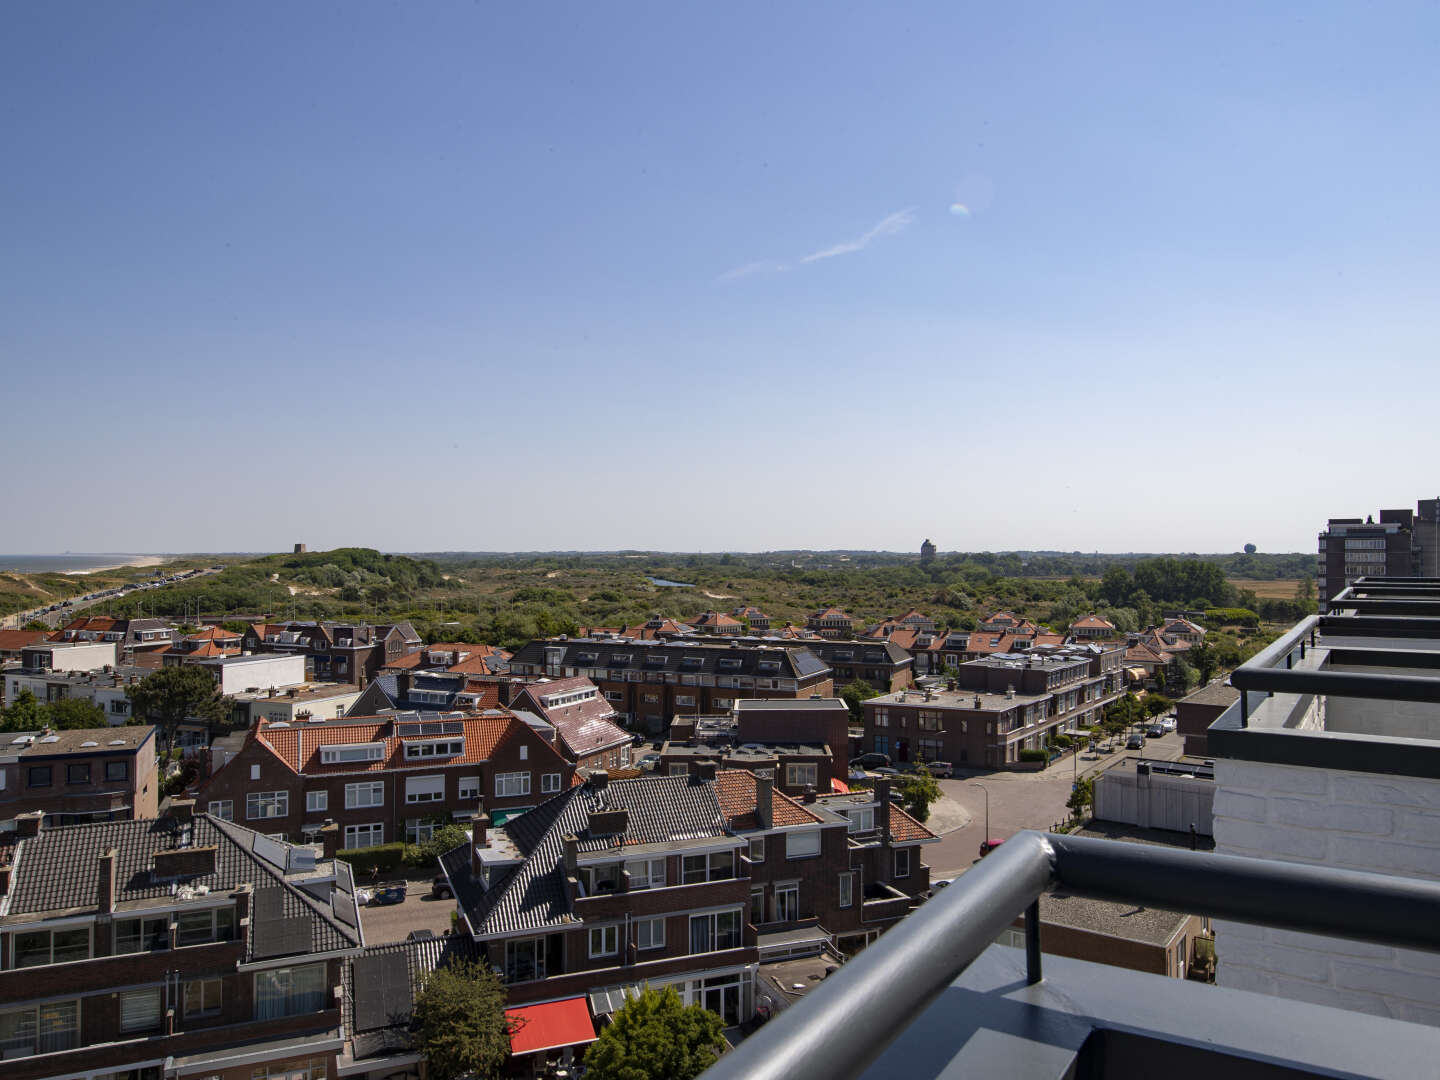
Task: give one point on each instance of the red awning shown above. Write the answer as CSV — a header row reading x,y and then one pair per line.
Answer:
x,y
839,787
551,1026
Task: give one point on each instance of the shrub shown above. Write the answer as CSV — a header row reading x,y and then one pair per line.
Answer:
x,y
383,857
1033,754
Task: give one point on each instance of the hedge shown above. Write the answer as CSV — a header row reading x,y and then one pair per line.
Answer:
x,y
383,857
1231,616
1030,753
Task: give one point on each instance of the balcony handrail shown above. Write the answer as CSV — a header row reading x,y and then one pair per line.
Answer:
x,y
845,1022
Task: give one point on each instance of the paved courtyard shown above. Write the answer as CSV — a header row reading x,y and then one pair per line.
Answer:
x,y
420,911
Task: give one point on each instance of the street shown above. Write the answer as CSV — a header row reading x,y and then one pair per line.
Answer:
x,y
1021,801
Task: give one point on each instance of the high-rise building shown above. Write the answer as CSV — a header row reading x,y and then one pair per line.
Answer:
x,y
1353,548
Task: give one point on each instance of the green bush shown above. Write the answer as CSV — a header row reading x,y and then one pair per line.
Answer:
x,y
1033,754
383,857
1231,616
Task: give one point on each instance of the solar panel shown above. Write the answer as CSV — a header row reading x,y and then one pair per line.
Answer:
x,y
269,903
282,937
272,851
382,990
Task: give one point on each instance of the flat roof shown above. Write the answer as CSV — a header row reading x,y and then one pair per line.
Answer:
x,y
106,740
957,699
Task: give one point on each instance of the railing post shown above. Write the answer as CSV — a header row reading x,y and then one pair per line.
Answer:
x,y
1033,973
1244,708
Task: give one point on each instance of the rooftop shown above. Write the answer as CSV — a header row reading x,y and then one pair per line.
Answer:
x,y
106,740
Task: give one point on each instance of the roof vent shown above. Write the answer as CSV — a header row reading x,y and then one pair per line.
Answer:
x,y
51,738
117,742
89,742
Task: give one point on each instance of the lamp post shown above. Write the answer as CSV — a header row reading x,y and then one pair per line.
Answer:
x,y
987,811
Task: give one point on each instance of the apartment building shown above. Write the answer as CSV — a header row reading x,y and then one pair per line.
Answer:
x,y
344,652
206,643
756,619
584,722
649,682
457,657
1352,548
179,947
831,622
884,665
105,688
132,637
997,707
251,673
80,775
65,656
717,622
672,881
383,778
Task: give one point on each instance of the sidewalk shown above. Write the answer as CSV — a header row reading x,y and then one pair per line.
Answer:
x,y
947,815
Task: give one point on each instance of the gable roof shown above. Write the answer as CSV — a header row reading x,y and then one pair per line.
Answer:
x,y
735,790
585,727
299,746
662,809
59,870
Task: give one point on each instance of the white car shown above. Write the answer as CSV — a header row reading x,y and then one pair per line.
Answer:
x,y
1168,723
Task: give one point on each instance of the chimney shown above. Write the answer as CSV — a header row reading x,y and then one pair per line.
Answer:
x,y
809,795
599,780
29,824
608,822
571,854
765,800
182,810
480,829
329,839
702,770
882,812
105,886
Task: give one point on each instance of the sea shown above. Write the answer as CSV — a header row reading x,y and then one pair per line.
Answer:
x,y
68,563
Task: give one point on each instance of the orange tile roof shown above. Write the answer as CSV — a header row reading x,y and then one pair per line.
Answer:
x,y
402,663
905,828
735,790
299,746
20,639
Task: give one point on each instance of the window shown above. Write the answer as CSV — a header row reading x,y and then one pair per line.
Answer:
x,y
678,770
525,960
509,785
51,947
370,793
203,927
757,904
549,783
882,717
861,820
787,902
802,845
316,801
43,1030
604,941
363,836
882,744
423,789
117,770
419,830
39,776
928,721
202,997
646,873
267,804
902,862
142,935
524,753
685,699
711,933
339,754
140,1010
649,934
847,890
801,775
716,866
470,787
224,809
724,704
77,774
289,991
441,748
757,849
254,772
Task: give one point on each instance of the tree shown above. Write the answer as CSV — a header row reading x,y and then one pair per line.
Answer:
x,y
460,1023
1205,659
1082,796
176,693
1157,704
917,791
70,713
1249,549
853,695
24,714
655,1036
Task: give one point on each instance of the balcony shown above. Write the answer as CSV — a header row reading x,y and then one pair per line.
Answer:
x,y
883,902
934,997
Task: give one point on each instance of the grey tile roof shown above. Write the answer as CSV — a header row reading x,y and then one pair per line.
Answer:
x,y
688,656
662,809
59,870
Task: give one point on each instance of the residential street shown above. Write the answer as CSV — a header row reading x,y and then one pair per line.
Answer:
x,y
1018,801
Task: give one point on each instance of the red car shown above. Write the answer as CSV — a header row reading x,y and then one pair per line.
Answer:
x,y
990,845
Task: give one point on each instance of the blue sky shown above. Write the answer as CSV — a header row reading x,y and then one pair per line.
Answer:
x,y
473,276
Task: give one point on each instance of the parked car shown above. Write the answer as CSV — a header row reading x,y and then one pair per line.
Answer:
x,y
440,888
392,892
424,934
638,739
1155,731
1168,723
648,762
942,769
990,845
1135,742
870,761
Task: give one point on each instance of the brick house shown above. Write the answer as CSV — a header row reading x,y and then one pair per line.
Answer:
x,y
80,775
132,637
758,621
668,881
345,652
997,707
1093,628
882,664
383,778
650,682
716,622
831,622
584,722
181,947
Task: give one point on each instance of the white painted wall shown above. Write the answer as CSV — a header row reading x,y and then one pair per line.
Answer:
x,y
277,670
1155,801
80,655
1355,821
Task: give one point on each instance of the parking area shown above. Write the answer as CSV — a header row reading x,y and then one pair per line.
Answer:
x,y
419,911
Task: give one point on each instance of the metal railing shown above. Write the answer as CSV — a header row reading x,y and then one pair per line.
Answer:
x,y
848,1019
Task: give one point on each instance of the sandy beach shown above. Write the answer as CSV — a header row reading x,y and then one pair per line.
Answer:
x,y
137,561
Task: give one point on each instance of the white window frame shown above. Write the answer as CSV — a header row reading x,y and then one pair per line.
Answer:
x,y
316,802
142,1018
787,889
549,783
802,775
469,787
365,795
374,830
608,938
650,875
202,988
861,820
342,753
436,748
265,805
846,891
650,933
428,789
802,845
512,785
757,849
224,809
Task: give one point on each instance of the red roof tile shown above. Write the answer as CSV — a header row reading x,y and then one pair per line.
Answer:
x,y
735,790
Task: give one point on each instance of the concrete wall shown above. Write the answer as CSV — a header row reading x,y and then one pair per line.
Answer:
x,y
1357,821
1155,801
1393,719
79,656
260,672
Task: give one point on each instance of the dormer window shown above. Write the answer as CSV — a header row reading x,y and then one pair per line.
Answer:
x,y
341,753
439,748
